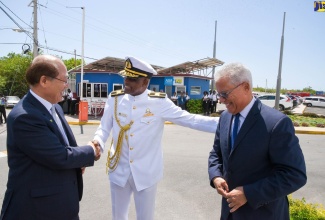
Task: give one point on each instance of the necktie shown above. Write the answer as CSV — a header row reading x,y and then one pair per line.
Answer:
x,y
235,129
58,122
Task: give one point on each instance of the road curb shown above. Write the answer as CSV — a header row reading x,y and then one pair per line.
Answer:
x,y
310,132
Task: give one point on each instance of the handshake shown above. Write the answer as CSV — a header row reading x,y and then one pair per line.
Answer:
x,y
95,145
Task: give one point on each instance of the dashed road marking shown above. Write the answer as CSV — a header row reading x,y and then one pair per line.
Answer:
x,y
3,153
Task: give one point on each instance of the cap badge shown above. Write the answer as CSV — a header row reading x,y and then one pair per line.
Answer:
x,y
128,64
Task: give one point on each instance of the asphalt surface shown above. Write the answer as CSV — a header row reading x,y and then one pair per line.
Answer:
x,y
184,193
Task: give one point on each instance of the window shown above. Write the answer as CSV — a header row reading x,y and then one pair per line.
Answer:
x,y
117,86
93,90
103,90
195,90
180,89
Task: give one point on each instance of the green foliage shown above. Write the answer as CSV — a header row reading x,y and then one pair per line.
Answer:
x,y
12,74
72,63
300,210
13,69
195,106
306,121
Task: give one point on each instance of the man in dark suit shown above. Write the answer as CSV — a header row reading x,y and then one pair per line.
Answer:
x,y
256,160
45,175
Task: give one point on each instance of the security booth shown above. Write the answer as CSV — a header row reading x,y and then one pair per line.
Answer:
x,y
102,77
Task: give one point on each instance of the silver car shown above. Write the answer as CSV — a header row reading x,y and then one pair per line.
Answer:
x,y
11,101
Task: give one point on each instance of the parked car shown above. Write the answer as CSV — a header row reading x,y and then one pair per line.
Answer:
x,y
318,101
12,101
284,103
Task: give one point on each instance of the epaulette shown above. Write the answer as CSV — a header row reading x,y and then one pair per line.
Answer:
x,y
117,93
157,94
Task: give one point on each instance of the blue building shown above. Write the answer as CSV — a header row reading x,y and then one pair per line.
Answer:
x,y
101,77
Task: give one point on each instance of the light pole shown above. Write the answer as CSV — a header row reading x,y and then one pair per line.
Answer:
x,y
214,54
278,85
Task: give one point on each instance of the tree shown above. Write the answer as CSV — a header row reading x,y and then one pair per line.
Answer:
x,y
72,63
12,74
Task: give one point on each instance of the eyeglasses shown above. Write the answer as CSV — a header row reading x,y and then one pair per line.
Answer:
x,y
226,94
65,82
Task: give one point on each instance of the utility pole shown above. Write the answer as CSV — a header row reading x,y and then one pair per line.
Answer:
x,y
278,85
82,52
35,38
214,54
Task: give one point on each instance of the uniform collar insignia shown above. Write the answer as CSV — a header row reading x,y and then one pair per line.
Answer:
x,y
148,113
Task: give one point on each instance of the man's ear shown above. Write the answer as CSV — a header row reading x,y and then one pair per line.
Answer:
x,y
43,81
146,82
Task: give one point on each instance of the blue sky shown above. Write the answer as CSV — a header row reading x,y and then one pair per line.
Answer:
x,y
170,32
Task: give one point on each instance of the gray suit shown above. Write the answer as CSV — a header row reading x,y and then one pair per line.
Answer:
x,y
266,160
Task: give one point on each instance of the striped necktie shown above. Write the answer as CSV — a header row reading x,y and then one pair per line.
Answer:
x,y
235,129
58,122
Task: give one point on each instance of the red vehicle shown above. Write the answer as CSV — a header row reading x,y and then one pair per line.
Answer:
x,y
301,94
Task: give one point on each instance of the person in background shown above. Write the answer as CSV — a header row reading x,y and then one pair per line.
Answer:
x,y
73,103
69,100
256,160
132,114
206,103
187,97
3,113
182,100
174,98
45,175
214,101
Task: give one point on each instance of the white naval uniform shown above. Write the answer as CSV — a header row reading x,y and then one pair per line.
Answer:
x,y
142,155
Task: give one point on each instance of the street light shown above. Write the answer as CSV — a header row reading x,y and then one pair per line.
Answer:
x,y
83,105
29,34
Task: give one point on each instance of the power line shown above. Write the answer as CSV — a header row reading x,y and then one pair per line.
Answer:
x,y
16,15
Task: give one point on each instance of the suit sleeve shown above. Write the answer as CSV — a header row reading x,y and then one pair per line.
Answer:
x,y
35,136
288,164
215,159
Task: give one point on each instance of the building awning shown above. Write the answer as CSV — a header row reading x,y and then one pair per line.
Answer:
x,y
200,67
107,64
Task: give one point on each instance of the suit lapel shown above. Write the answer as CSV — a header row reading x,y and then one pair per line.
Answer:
x,y
225,129
66,127
248,123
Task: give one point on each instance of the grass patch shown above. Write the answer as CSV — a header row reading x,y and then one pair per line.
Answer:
x,y
307,121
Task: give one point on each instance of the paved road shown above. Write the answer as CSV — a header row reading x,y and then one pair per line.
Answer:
x,y
184,193
316,110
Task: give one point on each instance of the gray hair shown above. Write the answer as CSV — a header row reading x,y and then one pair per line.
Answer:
x,y
237,73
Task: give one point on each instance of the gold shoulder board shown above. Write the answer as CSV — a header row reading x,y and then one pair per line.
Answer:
x,y
157,94
117,93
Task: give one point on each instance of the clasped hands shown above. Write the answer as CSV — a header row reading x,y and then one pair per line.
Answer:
x,y
235,198
96,146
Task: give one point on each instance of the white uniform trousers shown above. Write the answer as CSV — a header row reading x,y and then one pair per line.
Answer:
x,y
144,201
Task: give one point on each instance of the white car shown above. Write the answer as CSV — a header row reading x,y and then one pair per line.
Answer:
x,y
284,103
317,101
11,101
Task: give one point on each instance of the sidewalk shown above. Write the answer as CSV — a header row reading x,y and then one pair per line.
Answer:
x,y
92,120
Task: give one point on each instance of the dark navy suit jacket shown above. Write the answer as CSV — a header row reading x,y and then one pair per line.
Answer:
x,y
266,160
44,180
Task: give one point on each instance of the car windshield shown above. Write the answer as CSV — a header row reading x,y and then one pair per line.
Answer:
x,y
12,98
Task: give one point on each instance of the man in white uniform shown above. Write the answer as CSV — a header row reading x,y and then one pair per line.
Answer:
x,y
136,117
